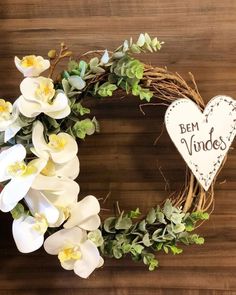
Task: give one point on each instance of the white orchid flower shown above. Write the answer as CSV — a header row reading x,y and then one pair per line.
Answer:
x,y
61,148
9,119
74,251
28,233
20,174
31,65
49,208
47,191
39,96
84,214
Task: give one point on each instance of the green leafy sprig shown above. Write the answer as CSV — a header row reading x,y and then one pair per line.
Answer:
x,y
163,229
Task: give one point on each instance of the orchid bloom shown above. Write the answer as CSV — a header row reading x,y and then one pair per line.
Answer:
x,y
61,193
28,231
74,250
9,123
20,174
31,65
39,96
84,214
61,147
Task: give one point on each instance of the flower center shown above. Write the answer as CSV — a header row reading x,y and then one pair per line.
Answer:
x,y
70,253
30,61
17,169
41,223
21,169
5,109
57,142
45,91
49,169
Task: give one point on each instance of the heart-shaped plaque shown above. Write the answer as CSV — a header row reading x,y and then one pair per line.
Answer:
x,y
202,138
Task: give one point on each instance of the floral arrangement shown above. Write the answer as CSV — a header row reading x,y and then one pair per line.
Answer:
x,y
39,163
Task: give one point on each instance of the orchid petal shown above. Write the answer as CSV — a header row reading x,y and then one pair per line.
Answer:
x,y
14,191
33,71
59,114
38,203
89,261
26,238
68,152
82,210
38,140
53,183
68,265
14,154
29,109
70,169
63,238
90,224
29,86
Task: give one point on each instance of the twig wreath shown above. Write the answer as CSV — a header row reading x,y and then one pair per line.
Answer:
x,y
39,163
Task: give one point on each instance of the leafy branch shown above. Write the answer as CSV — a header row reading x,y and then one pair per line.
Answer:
x,y
163,229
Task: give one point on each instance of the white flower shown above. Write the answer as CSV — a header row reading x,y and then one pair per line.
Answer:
x,y
74,251
61,147
59,192
84,214
21,176
105,58
31,65
9,123
26,233
39,96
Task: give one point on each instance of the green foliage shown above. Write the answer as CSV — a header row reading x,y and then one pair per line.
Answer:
x,y
18,211
96,237
83,128
144,44
106,89
78,109
143,93
163,229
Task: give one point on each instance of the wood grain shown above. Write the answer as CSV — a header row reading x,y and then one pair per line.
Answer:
x,y
200,36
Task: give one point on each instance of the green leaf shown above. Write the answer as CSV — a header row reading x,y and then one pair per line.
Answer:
x,y
151,216
83,128
138,248
142,226
168,209
18,211
199,215
123,222
72,65
109,225
96,237
117,252
79,109
106,89
161,217
175,250
146,240
156,235
134,214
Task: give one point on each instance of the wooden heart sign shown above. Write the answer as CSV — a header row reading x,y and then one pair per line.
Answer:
x,y
202,138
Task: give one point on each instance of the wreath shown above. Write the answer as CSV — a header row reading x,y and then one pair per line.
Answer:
x,y
39,136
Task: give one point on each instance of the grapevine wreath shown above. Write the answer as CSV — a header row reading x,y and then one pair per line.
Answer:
x,y
39,163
